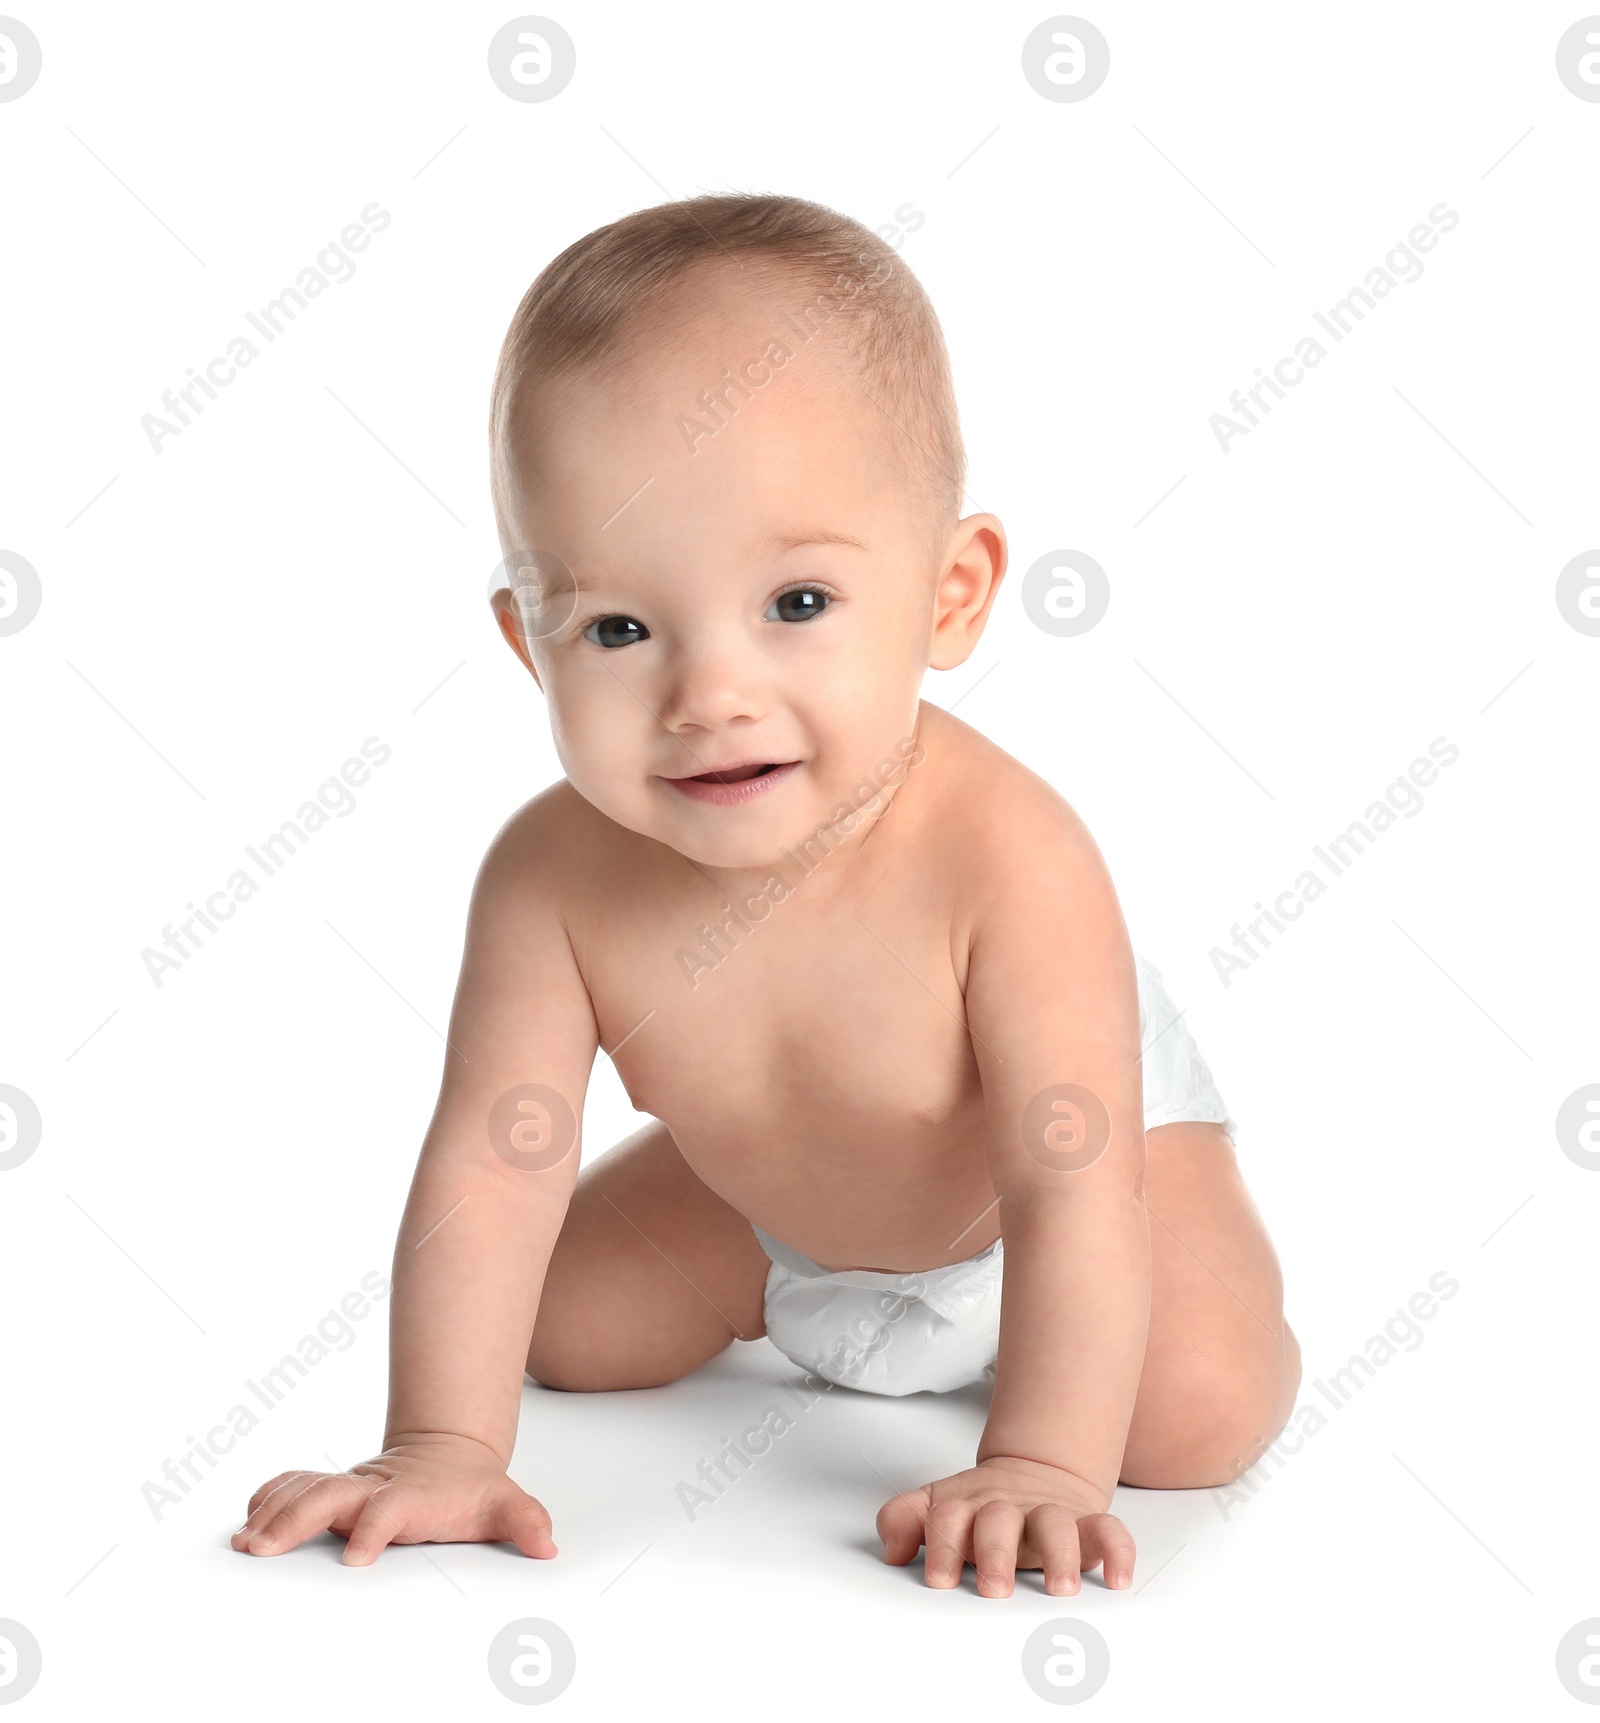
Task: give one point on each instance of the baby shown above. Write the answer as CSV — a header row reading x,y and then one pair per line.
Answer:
x,y
920,1116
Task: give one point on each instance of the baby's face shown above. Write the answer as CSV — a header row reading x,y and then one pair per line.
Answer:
x,y
752,627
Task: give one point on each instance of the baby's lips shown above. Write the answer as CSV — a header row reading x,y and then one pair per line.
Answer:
x,y
733,774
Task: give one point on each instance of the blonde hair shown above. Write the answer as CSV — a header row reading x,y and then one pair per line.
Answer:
x,y
584,304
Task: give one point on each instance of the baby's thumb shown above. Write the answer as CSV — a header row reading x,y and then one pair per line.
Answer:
x,y
900,1525
523,1521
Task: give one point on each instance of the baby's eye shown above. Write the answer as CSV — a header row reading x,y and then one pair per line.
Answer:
x,y
615,631
798,606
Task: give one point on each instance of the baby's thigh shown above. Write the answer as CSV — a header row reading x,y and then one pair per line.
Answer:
x,y
1221,1365
653,1274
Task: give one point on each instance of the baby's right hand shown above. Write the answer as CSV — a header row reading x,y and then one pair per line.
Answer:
x,y
422,1489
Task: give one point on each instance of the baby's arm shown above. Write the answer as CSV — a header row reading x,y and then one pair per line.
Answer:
x,y
475,1240
1052,1005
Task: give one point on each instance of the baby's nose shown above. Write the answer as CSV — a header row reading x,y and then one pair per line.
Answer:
x,y
709,688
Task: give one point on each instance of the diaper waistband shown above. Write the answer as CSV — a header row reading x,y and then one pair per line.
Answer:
x,y
949,1289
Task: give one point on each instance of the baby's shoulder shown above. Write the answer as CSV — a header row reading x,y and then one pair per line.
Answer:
x,y
555,843
1004,827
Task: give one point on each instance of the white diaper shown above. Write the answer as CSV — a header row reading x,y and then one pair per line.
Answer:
x,y
939,1329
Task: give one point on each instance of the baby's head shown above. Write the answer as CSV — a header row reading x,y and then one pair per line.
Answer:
x,y
727,474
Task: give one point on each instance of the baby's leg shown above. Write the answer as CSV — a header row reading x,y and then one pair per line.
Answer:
x,y
1221,1366
653,1274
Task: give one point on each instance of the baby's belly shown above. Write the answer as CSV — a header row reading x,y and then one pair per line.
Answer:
x,y
895,1201
847,1125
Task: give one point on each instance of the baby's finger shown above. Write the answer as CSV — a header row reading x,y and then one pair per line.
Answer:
x,y
1106,1539
900,1526
1053,1532
269,1487
945,1532
378,1525
519,1519
995,1533
315,1508
269,1501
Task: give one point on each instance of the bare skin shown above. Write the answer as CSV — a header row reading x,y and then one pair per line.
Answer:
x,y
839,1038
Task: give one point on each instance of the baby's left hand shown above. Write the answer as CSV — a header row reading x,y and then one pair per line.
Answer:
x,y
1004,1514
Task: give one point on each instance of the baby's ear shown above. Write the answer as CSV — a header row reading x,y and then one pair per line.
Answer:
x,y
974,565
509,622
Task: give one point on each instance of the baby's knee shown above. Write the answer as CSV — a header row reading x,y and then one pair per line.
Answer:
x,y
583,1363
1212,1419
568,1375
571,1364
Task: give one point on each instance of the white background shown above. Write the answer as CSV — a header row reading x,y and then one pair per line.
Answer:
x,y
226,1155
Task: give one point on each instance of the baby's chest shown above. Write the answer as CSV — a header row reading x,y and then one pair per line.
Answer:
x,y
796,1025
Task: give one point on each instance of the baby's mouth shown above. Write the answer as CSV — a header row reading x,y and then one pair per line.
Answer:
x,y
735,783
736,774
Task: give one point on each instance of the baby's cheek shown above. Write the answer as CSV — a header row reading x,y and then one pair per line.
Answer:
x,y
591,726
607,756
577,746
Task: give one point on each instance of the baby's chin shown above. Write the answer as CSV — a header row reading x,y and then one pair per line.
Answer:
x,y
758,863
736,838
